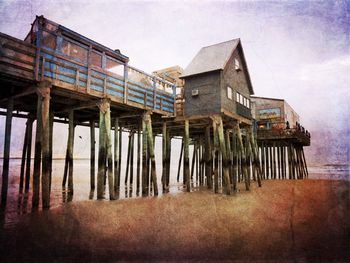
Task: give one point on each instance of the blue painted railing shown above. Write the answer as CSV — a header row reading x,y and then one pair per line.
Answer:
x,y
58,66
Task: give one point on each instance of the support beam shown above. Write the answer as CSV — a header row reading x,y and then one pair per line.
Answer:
x,y
164,153
116,155
234,160
225,157
144,156
216,157
306,170
180,160
23,161
107,129
29,153
52,117
45,112
186,168
255,155
6,160
194,156
102,152
92,155
243,157
37,155
168,159
68,170
208,158
128,160
138,158
150,141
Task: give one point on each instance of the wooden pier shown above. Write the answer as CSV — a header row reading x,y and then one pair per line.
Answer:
x,y
57,75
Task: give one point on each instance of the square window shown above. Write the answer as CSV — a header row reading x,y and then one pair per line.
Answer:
x,y
229,92
237,96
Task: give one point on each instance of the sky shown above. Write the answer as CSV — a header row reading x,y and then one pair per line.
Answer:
x,y
295,50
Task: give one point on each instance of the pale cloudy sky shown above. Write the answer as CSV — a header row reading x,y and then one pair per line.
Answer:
x,y
296,50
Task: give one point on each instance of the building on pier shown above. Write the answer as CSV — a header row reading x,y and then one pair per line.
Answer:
x,y
280,138
276,120
217,81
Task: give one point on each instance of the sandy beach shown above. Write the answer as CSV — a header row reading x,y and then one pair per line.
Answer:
x,y
284,221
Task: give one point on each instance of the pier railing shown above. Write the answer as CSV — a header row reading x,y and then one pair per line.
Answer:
x,y
278,134
129,85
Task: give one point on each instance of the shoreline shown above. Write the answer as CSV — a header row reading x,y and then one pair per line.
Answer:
x,y
285,221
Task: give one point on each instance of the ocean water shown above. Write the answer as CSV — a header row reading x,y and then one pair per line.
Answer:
x,y
21,203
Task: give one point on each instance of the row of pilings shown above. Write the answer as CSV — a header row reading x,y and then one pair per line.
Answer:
x,y
280,160
224,154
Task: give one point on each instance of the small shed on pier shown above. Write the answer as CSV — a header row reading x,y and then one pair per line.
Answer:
x,y
217,81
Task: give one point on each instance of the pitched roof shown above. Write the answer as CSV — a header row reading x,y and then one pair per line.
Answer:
x,y
215,57
211,58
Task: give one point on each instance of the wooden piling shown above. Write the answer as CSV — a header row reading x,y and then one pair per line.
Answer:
x,y
144,155
194,156
6,159
274,160
150,141
102,152
45,178
164,153
37,155
120,155
304,160
208,158
216,157
243,157
132,158
229,155
92,155
267,162
279,163
180,160
290,163
263,160
108,128
225,157
201,161
52,116
128,159
271,162
23,161
29,154
234,160
186,168
168,159
255,156
68,171
197,161
138,162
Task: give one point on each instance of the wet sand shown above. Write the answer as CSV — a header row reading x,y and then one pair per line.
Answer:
x,y
284,221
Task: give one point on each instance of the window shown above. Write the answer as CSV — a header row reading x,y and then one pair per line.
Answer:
x,y
49,40
237,96
248,104
229,92
114,66
240,99
237,67
74,50
96,59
